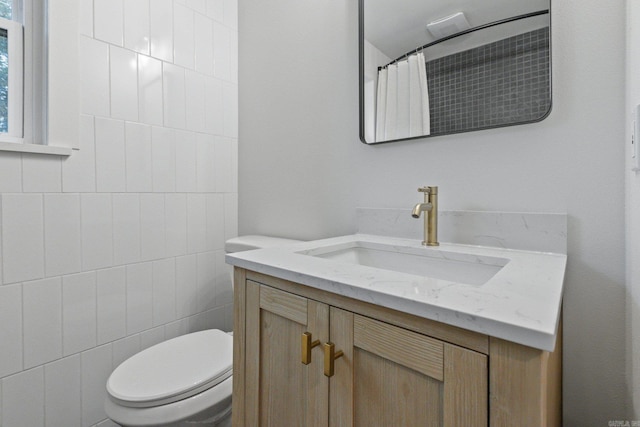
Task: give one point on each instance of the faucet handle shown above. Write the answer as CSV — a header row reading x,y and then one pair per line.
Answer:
x,y
428,190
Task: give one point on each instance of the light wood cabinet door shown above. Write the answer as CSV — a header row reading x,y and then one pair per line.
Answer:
x,y
280,389
390,376
387,375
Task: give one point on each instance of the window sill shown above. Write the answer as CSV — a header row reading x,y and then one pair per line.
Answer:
x,y
35,149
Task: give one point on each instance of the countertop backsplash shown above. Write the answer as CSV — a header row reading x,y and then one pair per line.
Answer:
x,y
544,232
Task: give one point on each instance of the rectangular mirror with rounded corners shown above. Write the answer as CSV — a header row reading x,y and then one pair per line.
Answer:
x,y
431,68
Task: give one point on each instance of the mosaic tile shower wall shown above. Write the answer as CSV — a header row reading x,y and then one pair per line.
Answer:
x,y
500,83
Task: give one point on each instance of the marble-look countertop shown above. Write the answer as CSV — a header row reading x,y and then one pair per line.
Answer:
x,y
520,303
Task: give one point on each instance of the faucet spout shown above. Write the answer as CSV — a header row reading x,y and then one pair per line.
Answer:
x,y
430,206
419,208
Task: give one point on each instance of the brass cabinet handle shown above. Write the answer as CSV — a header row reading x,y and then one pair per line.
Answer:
x,y
307,345
330,355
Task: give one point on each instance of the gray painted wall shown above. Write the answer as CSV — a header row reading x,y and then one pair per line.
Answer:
x,y
303,171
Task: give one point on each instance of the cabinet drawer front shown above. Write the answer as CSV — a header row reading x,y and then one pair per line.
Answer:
x,y
418,352
284,304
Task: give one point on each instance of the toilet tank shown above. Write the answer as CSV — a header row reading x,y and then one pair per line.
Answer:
x,y
247,243
250,242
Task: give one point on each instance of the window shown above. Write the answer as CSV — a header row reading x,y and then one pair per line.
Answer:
x,y
11,71
39,91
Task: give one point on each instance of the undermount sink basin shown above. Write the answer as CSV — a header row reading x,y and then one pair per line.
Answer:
x,y
422,261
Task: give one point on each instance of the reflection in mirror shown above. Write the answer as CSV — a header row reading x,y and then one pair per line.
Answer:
x,y
431,68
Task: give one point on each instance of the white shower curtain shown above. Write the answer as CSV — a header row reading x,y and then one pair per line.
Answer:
x,y
402,109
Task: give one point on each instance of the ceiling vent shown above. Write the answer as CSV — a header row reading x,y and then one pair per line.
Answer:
x,y
448,25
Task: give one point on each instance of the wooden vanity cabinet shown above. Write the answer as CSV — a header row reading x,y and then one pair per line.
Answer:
x,y
394,369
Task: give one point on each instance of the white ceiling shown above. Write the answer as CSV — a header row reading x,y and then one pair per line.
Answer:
x,y
398,26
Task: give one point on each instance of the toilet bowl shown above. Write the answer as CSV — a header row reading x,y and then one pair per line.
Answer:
x,y
184,381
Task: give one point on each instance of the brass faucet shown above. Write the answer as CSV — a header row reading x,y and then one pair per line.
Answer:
x,y
430,206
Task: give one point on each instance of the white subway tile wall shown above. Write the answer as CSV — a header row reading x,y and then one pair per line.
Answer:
x,y
41,174
150,90
108,21
136,25
94,77
126,228
161,29
175,209
23,398
151,337
110,156
62,234
95,367
22,237
42,317
97,230
10,329
139,295
79,312
63,409
79,171
174,96
10,173
121,245
183,36
124,83
111,305
163,156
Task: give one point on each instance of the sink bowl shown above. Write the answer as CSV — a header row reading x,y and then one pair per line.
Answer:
x,y
421,261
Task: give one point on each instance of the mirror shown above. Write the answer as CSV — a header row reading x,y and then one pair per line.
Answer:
x,y
431,68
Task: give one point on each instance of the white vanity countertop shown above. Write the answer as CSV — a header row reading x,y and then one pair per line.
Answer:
x,y
520,303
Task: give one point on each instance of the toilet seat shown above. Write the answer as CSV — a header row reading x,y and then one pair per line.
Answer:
x,y
173,370
213,403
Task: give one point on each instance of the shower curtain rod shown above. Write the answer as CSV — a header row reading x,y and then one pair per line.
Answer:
x,y
470,30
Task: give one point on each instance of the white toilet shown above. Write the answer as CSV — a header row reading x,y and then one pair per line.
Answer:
x,y
184,381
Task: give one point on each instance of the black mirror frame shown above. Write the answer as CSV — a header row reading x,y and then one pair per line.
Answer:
x,y
361,63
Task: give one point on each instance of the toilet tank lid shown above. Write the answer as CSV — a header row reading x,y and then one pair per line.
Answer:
x,y
247,243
